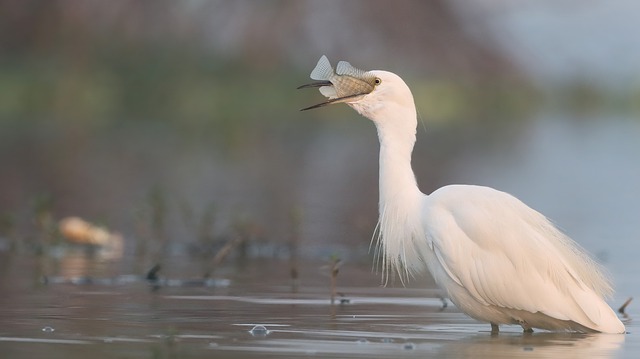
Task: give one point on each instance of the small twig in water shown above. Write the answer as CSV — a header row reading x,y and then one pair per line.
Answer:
x,y
152,274
226,249
152,277
624,305
335,268
296,220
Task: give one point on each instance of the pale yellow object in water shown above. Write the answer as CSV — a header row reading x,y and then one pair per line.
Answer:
x,y
77,230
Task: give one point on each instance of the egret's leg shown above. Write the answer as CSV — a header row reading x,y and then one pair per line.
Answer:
x,y
494,328
526,327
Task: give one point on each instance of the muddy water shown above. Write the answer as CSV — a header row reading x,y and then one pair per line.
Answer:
x,y
253,310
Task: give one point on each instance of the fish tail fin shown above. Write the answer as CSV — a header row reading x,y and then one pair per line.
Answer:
x,y
323,70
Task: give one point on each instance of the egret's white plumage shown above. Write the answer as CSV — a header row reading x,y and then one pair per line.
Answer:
x,y
497,259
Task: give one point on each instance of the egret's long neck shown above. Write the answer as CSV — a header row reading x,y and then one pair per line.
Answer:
x,y
400,199
397,179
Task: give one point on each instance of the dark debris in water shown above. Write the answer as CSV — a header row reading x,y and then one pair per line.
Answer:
x,y
409,346
152,278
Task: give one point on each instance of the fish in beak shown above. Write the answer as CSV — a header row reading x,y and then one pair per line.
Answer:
x,y
345,84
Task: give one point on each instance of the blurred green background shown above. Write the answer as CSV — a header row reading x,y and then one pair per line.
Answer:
x,y
176,122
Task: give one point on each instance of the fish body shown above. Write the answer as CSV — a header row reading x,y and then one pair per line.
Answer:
x,y
346,80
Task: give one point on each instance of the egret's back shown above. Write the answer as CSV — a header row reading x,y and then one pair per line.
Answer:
x,y
505,263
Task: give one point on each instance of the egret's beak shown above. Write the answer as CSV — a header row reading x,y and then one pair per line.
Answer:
x,y
315,84
351,93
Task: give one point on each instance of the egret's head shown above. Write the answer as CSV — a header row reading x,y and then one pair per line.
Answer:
x,y
390,93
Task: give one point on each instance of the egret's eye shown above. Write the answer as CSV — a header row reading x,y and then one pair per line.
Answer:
x,y
378,81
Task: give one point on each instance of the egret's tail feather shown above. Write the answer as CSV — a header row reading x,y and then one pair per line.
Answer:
x,y
599,316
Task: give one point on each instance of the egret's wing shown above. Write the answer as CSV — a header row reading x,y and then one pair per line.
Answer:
x,y
508,255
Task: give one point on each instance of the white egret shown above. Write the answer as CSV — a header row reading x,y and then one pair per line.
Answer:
x,y
498,260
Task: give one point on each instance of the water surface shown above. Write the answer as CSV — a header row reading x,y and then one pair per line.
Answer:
x,y
255,312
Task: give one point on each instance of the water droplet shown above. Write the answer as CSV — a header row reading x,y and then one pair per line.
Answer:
x,y
259,330
409,346
48,329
